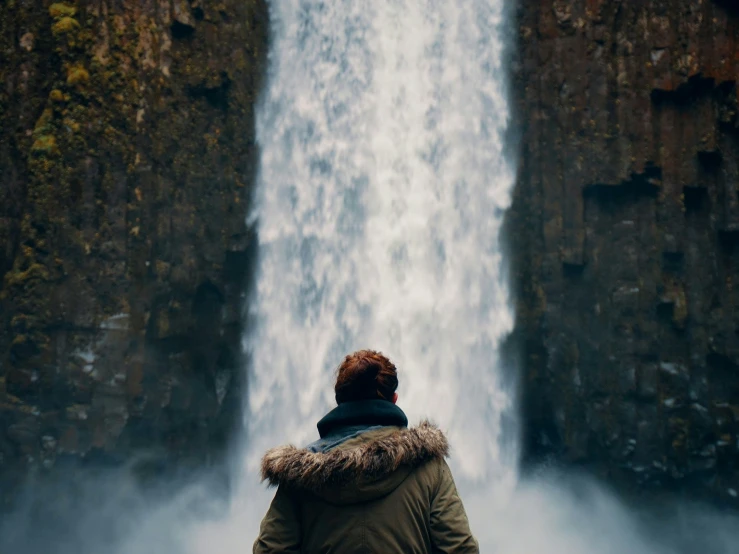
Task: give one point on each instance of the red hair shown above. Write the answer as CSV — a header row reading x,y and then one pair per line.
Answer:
x,y
366,375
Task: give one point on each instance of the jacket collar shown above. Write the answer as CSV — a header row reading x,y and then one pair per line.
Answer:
x,y
372,455
362,412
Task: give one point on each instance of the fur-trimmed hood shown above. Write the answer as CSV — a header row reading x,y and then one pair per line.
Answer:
x,y
365,459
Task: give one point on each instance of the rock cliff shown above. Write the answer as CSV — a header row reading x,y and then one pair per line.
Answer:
x,y
625,239
128,155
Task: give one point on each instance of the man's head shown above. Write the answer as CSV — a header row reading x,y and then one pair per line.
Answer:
x,y
366,375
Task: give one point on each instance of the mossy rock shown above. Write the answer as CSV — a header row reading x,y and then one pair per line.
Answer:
x,y
64,25
56,95
45,145
77,75
21,278
60,9
71,124
43,125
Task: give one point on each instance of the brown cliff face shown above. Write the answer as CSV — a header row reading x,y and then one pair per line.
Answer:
x,y
625,238
127,154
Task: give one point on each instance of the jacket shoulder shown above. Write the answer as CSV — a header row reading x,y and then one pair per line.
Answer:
x,y
433,473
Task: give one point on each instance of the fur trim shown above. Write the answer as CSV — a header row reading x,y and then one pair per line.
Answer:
x,y
312,470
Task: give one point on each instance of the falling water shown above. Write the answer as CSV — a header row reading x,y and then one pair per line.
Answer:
x,y
382,191
381,196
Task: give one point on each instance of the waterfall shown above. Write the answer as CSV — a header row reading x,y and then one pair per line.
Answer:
x,y
381,194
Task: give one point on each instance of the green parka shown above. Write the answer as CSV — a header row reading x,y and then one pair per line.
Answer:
x,y
386,490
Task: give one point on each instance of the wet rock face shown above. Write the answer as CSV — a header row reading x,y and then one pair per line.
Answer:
x,y
127,153
625,239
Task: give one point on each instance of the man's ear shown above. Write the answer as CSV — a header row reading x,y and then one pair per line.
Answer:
x,y
395,398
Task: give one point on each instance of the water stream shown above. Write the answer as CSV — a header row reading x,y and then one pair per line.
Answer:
x,y
382,191
381,196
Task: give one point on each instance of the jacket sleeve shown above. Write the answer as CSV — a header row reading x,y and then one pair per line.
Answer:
x,y
450,530
280,529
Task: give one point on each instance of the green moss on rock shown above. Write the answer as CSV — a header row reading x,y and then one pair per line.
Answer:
x,y
64,25
45,145
60,9
56,95
44,123
77,75
21,278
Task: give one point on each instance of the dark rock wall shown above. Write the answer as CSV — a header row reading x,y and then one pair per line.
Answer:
x,y
625,238
127,156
